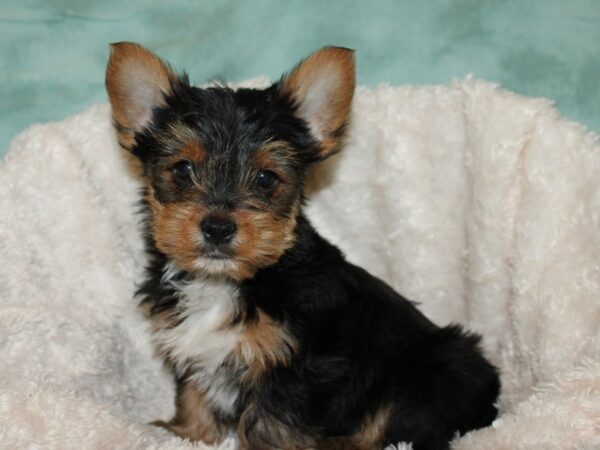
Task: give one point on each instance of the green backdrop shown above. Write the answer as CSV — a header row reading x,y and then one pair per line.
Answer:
x,y
53,53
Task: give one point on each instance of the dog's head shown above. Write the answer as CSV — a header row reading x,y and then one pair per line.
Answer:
x,y
225,168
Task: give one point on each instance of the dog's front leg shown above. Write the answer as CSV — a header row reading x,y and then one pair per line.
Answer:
x,y
194,419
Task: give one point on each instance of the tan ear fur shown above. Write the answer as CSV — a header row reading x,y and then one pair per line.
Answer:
x,y
323,87
137,82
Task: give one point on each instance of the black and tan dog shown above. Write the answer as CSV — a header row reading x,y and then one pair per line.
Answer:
x,y
269,330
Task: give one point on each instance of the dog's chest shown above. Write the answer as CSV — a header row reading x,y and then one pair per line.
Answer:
x,y
200,346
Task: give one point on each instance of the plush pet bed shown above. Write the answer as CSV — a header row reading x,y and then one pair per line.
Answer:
x,y
482,205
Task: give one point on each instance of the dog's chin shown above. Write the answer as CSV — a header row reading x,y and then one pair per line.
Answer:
x,y
215,265
221,265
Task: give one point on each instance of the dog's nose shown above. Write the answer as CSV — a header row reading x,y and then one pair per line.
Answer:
x,y
218,230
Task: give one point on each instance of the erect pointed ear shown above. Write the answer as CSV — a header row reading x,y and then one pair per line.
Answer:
x,y
322,87
137,82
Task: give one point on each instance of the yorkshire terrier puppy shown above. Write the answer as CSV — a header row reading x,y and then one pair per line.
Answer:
x,y
270,331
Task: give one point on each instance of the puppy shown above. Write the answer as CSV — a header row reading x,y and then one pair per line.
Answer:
x,y
269,330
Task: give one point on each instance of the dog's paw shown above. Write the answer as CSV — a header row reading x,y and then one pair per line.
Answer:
x,y
161,424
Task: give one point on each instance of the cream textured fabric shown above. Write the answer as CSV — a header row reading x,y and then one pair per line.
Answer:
x,y
482,205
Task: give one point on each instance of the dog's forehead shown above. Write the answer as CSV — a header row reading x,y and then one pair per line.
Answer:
x,y
226,121
226,127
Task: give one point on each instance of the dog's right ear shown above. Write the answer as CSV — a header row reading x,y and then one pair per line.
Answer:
x,y
322,88
137,81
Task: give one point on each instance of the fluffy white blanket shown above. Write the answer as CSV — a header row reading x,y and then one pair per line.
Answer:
x,y
482,205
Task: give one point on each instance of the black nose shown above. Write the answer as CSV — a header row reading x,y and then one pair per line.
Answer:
x,y
217,230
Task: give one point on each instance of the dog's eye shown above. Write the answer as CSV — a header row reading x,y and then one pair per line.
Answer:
x,y
266,180
182,171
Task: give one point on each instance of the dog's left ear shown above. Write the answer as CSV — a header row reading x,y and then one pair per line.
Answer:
x,y
137,82
322,86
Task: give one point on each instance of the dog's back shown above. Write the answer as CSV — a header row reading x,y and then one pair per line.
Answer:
x,y
372,366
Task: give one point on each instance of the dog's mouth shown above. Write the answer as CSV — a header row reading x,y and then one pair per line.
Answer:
x,y
216,263
217,253
215,259
217,256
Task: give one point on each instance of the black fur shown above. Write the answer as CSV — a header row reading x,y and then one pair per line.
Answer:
x,y
363,346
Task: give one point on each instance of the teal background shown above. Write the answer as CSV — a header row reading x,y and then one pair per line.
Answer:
x,y
53,53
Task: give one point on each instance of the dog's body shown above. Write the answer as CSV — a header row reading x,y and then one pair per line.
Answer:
x,y
269,330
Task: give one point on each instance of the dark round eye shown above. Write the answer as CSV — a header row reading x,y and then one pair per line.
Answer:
x,y
266,179
182,171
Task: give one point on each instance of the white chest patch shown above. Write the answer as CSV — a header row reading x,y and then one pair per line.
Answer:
x,y
201,342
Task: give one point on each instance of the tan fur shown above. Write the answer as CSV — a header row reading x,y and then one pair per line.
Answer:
x,y
182,141
368,437
373,429
262,239
175,229
262,432
259,431
263,157
264,344
195,419
192,151
300,83
130,64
